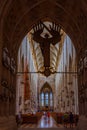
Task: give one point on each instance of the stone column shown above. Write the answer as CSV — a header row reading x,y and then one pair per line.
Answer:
x,y
1,44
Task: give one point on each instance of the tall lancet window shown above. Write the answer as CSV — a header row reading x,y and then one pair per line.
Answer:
x,y
42,99
51,99
46,98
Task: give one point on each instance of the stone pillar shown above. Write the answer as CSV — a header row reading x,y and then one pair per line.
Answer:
x,y
7,121
82,124
0,65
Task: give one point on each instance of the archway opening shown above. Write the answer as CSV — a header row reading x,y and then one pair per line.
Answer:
x,y
46,98
62,74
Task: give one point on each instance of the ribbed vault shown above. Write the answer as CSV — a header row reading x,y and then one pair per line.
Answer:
x,y
20,16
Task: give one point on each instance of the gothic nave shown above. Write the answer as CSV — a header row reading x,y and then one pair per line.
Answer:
x,y
43,63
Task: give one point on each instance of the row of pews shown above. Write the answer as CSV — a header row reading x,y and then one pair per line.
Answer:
x,y
58,117
29,118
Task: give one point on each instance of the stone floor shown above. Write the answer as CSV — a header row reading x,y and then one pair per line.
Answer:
x,y
46,124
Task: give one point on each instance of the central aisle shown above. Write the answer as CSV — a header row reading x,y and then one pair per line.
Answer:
x,y
46,122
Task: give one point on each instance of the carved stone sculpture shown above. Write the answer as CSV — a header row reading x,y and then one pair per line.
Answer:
x,y
46,41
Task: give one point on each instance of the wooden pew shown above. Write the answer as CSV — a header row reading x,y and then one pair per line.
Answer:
x,y
31,118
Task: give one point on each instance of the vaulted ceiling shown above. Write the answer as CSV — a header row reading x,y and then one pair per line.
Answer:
x,y
19,16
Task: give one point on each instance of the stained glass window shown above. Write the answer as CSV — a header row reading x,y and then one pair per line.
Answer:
x,y
46,99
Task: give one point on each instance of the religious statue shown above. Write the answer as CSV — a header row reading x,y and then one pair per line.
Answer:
x,y
46,41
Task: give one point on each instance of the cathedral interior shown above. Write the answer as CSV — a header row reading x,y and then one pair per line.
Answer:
x,y
43,62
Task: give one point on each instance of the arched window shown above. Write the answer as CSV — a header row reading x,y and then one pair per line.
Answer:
x,y
46,98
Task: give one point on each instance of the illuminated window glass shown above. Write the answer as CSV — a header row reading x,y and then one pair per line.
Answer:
x,y
46,96
51,96
42,99
42,95
46,99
